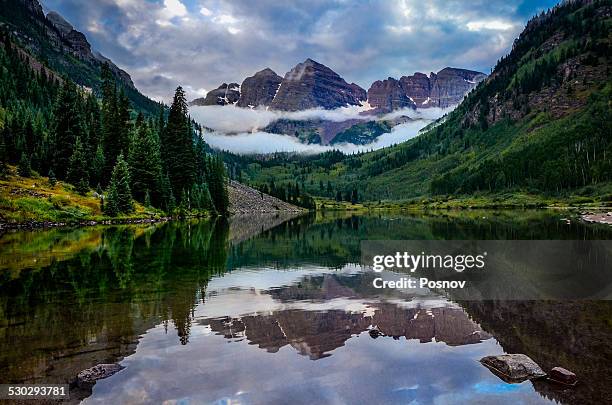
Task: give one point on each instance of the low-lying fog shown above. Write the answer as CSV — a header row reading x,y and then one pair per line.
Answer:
x,y
239,130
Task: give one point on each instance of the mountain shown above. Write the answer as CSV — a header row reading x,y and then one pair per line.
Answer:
x,y
540,123
65,50
313,85
443,89
448,87
222,95
388,95
259,89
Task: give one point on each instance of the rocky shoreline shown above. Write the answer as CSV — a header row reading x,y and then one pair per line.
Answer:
x,y
31,225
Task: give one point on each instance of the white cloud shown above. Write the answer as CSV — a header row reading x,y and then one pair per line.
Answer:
x,y
232,119
172,9
494,25
239,130
205,12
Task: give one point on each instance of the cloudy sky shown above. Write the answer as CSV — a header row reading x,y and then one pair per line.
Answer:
x,y
202,43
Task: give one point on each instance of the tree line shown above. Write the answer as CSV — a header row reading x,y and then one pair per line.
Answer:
x,y
52,126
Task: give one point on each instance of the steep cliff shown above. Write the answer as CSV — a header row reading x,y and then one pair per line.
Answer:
x,y
259,89
222,95
311,85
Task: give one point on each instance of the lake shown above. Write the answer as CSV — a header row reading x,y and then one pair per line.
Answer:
x,y
279,310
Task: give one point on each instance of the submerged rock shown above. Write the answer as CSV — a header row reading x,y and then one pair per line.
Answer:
x,y
562,375
513,368
88,377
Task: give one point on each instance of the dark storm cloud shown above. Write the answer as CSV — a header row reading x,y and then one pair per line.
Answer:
x,y
202,43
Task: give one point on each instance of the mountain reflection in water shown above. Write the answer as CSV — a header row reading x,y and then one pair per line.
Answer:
x,y
274,310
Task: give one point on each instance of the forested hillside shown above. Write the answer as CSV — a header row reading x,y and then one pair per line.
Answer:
x,y
52,127
66,52
541,123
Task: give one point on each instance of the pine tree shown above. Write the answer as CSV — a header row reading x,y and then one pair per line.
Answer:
x,y
111,207
78,173
109,121
97,166
145,163
177,144
354,196
119,195
3,155
24,169
217,179
167,202
52,178
67,126
147,199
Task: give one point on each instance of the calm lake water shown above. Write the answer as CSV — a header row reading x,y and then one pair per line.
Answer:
x,y
268,310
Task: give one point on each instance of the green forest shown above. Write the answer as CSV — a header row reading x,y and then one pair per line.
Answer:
x,y
52,127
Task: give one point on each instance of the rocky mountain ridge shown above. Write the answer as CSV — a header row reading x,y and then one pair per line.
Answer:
x,y
313,85
443,89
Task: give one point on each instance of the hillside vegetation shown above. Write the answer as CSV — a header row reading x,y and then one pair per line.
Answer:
x,y
540,124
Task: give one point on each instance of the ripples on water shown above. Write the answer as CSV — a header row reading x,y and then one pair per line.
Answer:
x,y
268,311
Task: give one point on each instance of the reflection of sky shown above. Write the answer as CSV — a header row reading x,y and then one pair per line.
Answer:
x,y
211,368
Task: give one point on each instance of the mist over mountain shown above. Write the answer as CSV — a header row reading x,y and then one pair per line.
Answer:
x,y
324,108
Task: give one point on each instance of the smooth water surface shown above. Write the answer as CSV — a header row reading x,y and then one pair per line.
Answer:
x,y
263,310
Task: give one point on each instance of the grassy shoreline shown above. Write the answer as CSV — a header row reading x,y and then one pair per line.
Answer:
x,y
481,201
32,202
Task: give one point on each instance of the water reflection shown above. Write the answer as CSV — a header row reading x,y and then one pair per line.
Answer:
x,y
171,297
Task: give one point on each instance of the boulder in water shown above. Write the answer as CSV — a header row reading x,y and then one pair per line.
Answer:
x,y
563,376
513,368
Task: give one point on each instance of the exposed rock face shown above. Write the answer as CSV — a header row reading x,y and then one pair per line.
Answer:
x,y
443,89
75,43
33,6
311,85
360,93
60,23
513,367
388,95
450,85
417,87
222,95
259,89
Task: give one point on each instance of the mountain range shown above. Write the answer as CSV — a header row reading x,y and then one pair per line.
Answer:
x,y
311,84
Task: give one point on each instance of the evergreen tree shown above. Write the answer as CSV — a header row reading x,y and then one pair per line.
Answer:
x,y
111,206
354,196
145,163
119,195
97,166
147,199
24,168
217,179
3,154
178,146
52,178
67,127
168,202
78,173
